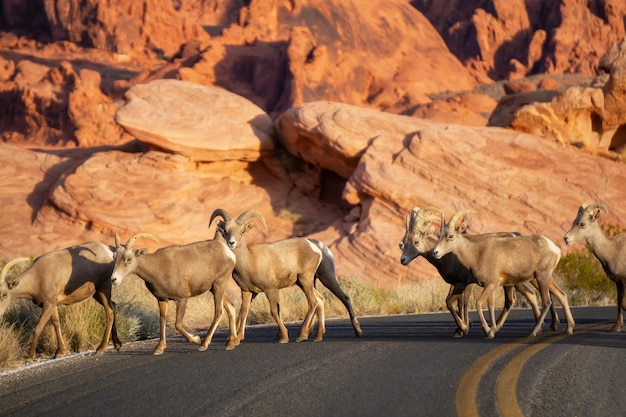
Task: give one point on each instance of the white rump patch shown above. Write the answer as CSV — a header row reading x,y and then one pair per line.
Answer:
x,y
553,247
315,248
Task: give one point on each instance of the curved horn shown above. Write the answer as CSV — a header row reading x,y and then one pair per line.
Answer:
x,y
418,213
458,215
248,214
6,268
422,221
117,240
410,219
428,208
589,207
220,213
129,243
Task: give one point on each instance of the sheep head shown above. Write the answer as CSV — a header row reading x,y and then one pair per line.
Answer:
x,y
233,230
450,234
126,256
418,229
585,223
6,286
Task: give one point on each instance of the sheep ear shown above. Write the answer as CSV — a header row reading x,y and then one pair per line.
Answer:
x,y
248,226
595,214
13,284
463,226
141,251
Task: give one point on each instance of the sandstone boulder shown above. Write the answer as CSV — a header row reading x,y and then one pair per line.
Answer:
x,y
516,182
201,122
592,117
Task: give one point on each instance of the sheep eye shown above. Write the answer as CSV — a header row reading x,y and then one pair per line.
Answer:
x,y
450,237
583,224
401,245
128,260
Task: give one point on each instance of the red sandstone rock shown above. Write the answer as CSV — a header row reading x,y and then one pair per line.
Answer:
x,y
200,122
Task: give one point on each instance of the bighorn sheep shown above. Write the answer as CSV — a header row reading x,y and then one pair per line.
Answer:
x,y
505,261
610,251
268,267
420,239
179,272
62,277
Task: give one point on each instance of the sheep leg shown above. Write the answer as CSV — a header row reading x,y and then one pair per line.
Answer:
x,y
329,279
46,313
246,299
562,297
546,301
621,304
314,304
61,348
456,296
273,297
232,324
486,296
321,318
181,307
555,317
509,301
218,303
465,306
109,310
158,350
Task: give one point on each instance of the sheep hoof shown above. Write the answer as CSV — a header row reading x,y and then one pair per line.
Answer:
x,y
283,341
195,339
317,339
157,352
229,347
458,333
202,348
616,328
298,339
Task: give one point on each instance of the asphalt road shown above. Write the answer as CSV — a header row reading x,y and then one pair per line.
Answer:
x,y
402,366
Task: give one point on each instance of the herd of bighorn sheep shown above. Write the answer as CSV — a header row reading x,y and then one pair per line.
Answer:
x,y
505,259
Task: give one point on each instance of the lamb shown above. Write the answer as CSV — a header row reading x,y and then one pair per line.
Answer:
x,y
268,267
63,277
420,240
610,251
505,261
177,273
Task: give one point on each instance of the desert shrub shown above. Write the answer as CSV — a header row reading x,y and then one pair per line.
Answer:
x,y
10,349
584,280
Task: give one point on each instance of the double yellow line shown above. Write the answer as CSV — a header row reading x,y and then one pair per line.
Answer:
x,y
506,386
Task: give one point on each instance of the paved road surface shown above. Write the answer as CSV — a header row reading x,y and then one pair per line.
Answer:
x,y
401,366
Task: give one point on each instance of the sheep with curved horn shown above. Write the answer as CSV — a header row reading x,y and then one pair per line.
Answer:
x,y
505,261
64,277
420,239
268,267
609,250
179,272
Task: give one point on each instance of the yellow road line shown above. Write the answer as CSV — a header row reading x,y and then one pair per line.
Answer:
x,y
465,399
506,387
466,392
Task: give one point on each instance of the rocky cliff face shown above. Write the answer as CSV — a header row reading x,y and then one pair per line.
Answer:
x,y
332,118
